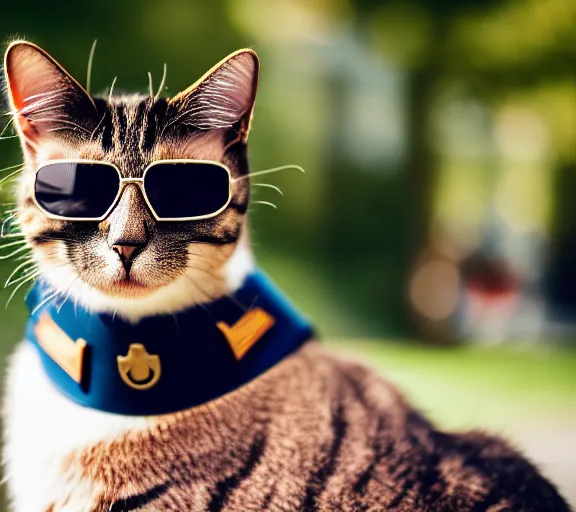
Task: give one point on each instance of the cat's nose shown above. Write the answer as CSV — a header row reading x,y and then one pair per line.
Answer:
x,y
126,253
128,230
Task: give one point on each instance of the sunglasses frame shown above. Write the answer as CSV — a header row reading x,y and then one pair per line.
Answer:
x,y
136,181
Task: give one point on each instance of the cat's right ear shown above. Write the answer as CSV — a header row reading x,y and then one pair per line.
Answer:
x,y
45,100
224,97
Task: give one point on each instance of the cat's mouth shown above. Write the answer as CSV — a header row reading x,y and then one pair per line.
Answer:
x,y
127,287
130,284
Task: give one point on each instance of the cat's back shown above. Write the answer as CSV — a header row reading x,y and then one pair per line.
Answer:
x,y
313,433
384,455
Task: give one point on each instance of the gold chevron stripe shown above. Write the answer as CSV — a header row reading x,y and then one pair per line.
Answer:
x,y
247,331
69,355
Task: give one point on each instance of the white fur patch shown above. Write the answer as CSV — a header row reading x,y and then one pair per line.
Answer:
x,y
42,427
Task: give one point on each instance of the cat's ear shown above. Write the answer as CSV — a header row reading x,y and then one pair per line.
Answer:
x,y
45,100
224,97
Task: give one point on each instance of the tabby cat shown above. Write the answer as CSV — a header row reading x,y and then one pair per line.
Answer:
x,y
304,431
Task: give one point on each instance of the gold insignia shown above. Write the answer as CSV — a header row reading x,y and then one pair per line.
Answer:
x,y
139,369
247,331
62,349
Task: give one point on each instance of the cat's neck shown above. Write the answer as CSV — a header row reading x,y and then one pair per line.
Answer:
x,y
164,363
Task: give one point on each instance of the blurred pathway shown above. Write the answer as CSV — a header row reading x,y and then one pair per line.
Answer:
x,y
551,445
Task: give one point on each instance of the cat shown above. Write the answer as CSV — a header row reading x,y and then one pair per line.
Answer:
x,y
313,432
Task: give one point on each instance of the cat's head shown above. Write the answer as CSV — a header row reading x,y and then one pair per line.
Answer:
x,y
172,264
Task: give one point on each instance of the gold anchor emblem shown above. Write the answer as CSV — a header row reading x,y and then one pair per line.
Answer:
x,y
139,369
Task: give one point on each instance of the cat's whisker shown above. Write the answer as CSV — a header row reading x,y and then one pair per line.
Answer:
x,y
95,130
9,218
15,222
217,278
8,124
169,124
12,244
111,92
45,301
9,222
89,69
14,227
266,203
212,258
9,137
23,257
151,89
208,272
191,267
4,222
201,304
75,303
16,270
67,294
14,253
269,171
268,185
162,83
12,167
11,214
198,287
32,274
27,139
199,256
18,286
11,175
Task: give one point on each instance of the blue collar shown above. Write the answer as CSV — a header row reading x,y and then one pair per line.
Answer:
x,y
168,363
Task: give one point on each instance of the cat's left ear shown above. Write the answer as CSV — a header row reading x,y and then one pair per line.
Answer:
x,y
224,97
46,101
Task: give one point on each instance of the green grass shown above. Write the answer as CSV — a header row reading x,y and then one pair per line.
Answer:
x,y
476,386
13,317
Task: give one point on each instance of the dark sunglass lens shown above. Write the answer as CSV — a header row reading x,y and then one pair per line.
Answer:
x,y
76,190
180,190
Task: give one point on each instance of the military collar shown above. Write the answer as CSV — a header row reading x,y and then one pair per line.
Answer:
x,y
164,363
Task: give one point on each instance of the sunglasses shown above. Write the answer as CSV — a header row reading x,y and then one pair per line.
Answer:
x,y
174,190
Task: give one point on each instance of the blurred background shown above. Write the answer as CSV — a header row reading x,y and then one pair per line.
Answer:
x,y
433,235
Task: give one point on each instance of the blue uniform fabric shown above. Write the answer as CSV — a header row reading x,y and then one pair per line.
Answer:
x,y
197,363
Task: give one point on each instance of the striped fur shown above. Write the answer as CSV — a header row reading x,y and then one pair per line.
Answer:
x,y
314,433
